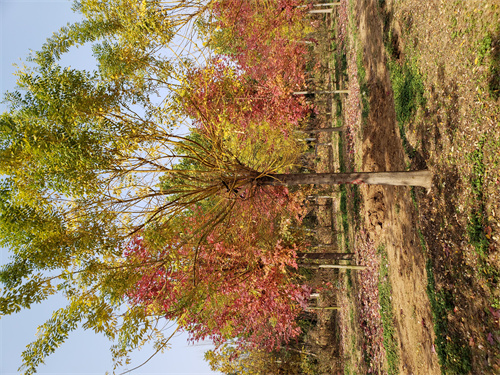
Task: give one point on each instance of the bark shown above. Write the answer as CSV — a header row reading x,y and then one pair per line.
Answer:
x,y
329,10
321,5
316,266
343,266
323,308
321,92
337,129
412,178
327,256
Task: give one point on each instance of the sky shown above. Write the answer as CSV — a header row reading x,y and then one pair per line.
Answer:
x,y
24,26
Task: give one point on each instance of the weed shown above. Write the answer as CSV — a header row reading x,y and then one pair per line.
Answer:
x,y
487,53
484,48
345,218
356,200
349,279
454,355
453,24
496,303
477,238
477,218
343,195
408,90
386,314
408,95
363,86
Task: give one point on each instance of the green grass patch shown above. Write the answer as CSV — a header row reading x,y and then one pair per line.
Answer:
x,y
477,218
386,314
345,216
356,203
453,353
343,196
348,274
363,86
487,53
408,90
342,166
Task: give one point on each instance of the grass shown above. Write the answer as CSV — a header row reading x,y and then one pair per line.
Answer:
x,y
477,219
387,316
363,86
488,54
454,354
408,96
343,197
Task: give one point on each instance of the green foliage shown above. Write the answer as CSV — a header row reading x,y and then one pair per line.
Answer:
x,y
74,147
288,360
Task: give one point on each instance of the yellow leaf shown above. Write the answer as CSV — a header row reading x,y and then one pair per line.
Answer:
x,y
477,59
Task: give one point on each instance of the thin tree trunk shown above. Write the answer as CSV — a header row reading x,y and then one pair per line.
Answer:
x,y
328,256
320,5
323,308
329,10
412,178
321,92
341,266
337,129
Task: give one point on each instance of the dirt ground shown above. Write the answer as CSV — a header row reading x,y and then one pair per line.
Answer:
x,y
442,134
424,81
382,150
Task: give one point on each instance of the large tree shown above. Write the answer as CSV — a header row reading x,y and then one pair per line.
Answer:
x,y
89,160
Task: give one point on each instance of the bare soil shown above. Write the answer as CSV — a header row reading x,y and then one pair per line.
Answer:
x,y
447,43
382,150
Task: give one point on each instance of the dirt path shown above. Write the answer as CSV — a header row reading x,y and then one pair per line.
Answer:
x,y
389,214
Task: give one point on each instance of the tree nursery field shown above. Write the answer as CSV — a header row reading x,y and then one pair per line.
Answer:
x,y
310,185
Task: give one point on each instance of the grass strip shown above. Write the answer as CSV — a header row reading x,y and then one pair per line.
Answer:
x,y
454,354
477,218
386,314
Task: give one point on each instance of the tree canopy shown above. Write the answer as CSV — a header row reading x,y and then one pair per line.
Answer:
x,y
93,164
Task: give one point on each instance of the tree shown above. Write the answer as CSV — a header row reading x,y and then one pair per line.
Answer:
x,y
248,361
90,162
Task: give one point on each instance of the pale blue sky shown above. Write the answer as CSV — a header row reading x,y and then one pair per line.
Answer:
x,y
24,25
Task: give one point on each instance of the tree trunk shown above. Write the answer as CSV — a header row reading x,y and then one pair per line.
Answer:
x,y
321,5
314,11
321,92
337,129
413,178
343,266
316,266
323,308
328,256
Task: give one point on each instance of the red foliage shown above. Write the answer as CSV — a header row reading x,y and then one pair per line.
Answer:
x,y
237,280
241,285
266,68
